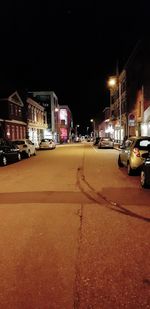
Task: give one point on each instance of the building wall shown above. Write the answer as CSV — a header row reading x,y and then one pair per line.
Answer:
x,y
65,119
49,101
36,121
12,124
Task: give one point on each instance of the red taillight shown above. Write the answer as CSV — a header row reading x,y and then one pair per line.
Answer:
x,y
136,152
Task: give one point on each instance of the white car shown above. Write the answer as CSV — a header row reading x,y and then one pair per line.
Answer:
x,y
26,147
47,144
105,142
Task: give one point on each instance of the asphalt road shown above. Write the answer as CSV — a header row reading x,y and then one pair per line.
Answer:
x,y
74,232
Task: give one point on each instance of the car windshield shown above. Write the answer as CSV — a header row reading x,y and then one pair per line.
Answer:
x,y
19,142
106,139
45,140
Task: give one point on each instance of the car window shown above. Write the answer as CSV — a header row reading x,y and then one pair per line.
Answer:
x,y
143,144
45,140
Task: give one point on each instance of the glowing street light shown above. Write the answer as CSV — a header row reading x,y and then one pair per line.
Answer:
x,y
76,130
93,121
114,82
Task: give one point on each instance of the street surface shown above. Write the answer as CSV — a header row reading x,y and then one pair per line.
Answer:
x,y
74,232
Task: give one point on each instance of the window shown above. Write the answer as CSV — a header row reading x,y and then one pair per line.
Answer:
x,y
19,111
17,132
21,132
16,110
11,109
143,144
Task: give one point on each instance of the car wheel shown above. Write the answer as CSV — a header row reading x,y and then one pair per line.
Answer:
x,y
143,179
19,156
34,152
119,162
4,161
129,169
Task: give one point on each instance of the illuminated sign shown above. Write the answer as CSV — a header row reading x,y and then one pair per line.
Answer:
x,y
63,116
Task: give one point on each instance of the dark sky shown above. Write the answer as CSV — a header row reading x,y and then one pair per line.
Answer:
x,y
69,47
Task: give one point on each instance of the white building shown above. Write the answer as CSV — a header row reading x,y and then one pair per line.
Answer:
x,y
36,121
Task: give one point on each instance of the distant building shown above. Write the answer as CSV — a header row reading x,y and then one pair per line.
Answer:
x,y
36,121
49,101
65,123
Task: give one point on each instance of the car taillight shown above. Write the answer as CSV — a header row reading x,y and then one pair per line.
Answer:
x,y
136,152
24,146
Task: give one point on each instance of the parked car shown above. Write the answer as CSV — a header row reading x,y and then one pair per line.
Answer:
x,y
26,147
47,144
145,170
9,152
131,153
105,142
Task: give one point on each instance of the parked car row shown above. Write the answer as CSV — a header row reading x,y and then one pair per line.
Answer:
x,y
134,154
26,147
13,151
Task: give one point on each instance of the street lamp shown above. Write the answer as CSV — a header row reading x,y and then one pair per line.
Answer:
x,y
93,121
76,131
114,82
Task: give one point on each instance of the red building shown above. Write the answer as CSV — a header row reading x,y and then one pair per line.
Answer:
x,y
12,117
65,123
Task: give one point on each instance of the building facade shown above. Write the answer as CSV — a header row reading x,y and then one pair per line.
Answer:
x,y
65,123
36,121
49,101
12,117
130,98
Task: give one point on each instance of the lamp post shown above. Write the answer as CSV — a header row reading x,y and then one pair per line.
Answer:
x,y
76,130
93,121
114,82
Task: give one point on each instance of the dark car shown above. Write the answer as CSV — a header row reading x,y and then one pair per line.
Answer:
x,y
9,152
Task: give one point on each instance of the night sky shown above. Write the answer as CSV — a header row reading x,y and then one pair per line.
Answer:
x,y
70,48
